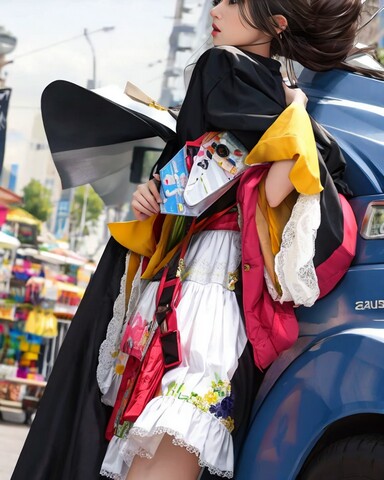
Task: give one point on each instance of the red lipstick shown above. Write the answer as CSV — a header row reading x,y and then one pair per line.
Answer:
x,y
215,30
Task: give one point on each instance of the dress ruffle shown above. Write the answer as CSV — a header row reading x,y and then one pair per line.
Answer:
x,y
113,465
199,432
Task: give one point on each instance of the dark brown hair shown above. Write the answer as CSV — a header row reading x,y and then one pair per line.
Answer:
x,y
319,35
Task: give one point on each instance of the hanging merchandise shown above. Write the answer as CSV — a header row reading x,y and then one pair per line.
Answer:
x,y
7,310
29,346
31,324
41,322
68,300
49,324
11,348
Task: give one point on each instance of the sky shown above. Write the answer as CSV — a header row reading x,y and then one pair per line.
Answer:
x,y
135,50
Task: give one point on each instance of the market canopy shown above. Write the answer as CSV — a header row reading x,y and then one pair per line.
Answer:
x,y
7,241
22,216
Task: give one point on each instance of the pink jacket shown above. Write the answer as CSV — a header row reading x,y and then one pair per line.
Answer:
x,y
271,327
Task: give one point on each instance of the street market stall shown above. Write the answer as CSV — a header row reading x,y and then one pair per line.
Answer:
x,y
39,298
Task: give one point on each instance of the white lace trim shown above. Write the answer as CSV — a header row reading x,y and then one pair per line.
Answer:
x,y
178,440
114,476
271,287
110,346
294,263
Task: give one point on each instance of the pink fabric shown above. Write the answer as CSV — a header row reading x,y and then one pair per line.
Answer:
x,y
271,327
330,272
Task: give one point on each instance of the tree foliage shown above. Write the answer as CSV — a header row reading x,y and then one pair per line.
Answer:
x,y
93,208
37,200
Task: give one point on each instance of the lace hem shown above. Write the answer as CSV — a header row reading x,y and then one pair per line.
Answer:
x,y
114,476
294,263
178,441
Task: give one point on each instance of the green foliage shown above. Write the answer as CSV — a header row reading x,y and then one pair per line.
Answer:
x,y
37,200
94,206
380,55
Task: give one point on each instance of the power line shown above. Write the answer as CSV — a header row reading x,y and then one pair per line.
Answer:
x,y
37,50
31,52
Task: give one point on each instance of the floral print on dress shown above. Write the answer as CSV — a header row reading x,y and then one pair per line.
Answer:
x,y
218,400
233,278
120,361
137,336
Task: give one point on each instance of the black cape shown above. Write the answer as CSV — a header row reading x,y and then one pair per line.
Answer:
x,y
228,91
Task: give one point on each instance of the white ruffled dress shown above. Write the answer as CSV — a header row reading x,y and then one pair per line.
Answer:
x,y
195,406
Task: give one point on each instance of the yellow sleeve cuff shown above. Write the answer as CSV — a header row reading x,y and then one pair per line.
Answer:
x,y
291,137
137,236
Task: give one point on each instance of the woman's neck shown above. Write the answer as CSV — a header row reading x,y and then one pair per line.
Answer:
x,y
263,49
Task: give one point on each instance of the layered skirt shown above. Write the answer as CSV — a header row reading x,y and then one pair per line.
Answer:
x,y
196,402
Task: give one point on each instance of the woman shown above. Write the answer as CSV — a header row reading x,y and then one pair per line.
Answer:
x,y
240,90
199,404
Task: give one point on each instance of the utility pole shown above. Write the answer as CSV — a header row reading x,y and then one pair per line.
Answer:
x,y
92,83
166,95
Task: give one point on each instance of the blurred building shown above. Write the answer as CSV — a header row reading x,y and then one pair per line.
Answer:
x,y
8,43
188,40
372,33
39,156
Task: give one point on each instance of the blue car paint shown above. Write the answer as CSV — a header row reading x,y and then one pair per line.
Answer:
x,y
339,376
336,368
351,107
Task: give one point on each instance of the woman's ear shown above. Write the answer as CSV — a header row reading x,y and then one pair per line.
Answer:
x,y
281,23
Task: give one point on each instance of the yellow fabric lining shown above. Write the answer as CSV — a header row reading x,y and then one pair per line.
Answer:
x,y
133,265
276,217
291,137
139,238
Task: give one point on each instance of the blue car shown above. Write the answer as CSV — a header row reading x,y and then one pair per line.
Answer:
x,y
319,414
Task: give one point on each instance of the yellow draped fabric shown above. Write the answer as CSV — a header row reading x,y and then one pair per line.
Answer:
x,y
139,238
291,137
